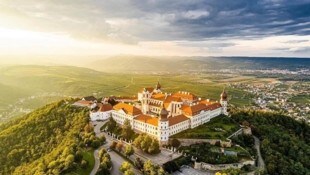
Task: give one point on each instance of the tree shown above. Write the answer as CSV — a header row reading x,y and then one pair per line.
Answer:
x,y
113,145
147,144
111,125
69,161
119,146
129,150
129,172
150,168
139,163
102,139
84,164
127,132
175,142
88,128
154,147
101,153
95,144
125,166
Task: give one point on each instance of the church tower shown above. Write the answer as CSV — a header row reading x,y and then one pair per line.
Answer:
x,y
145,102
163,126
223,102
157,88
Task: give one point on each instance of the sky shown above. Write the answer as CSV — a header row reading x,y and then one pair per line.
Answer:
x,y
279,28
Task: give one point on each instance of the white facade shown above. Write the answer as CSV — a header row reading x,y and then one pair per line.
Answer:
x,y
163,134
200,119
96,116
163,115
174,129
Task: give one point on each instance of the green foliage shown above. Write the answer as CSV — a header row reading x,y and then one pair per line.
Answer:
x,y
44,142
246,141
127,132
208,153
150,169
285,142
105,163
129,150
174,142
218,128
125,166
174,165
129,172
232,171
112,127
89,137
138,163
147,144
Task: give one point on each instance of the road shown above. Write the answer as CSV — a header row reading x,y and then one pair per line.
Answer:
x,y
115,158
260,163
96,152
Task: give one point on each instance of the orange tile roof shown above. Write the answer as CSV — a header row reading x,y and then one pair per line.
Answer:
x,y
185,96
149,89
195,109
159,96
105,107
177,119
147,119
214,106
206,102
170,99
83,103
129,109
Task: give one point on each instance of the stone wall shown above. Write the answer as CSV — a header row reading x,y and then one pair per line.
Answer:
x,y
219,167
187,142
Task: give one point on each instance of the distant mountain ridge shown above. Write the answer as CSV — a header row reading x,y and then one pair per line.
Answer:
x,y
181,64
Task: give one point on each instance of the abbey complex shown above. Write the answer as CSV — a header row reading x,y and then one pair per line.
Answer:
x,y
157,113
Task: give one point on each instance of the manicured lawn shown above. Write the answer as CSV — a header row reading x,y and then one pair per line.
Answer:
x,y
218,128
88,155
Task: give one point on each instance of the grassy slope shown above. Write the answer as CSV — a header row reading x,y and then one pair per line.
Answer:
x,y
88,155
207,130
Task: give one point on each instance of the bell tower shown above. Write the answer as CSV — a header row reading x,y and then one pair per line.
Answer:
x,y
163,126
223,102
145,102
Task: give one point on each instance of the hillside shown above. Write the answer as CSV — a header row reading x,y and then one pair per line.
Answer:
x,y
285,143
127,64
45,141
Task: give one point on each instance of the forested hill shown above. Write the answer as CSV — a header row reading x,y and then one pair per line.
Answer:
x,y
285,143
46,141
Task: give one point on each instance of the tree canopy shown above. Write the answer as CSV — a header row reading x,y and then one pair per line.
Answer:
x,y
285,142
46,141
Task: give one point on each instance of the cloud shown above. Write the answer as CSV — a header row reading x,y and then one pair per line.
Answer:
x,y
296,41
197,23
195,14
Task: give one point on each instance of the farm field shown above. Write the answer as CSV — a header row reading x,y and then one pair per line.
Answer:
x,y
36,86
